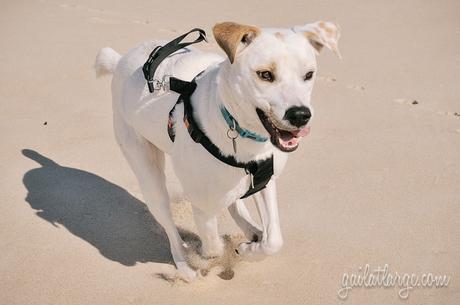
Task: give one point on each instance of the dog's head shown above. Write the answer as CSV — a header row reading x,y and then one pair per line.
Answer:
x,y
270,75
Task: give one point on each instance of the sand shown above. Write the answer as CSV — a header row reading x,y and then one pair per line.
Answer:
x,y
376,183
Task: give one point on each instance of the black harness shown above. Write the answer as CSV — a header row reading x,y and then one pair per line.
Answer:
x,y
260,171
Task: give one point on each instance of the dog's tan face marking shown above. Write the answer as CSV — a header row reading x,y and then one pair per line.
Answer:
x,y
269,67
267,72
230,36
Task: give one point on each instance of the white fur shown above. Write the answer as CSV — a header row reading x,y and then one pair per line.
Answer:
x,y
106,61
140,125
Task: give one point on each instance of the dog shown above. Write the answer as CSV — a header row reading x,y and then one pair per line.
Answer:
x,y
264,82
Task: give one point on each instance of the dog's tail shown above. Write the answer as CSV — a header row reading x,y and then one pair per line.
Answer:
x,y
106,61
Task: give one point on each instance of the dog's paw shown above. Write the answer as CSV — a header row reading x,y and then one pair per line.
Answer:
x,y
255,251
252,251
185,272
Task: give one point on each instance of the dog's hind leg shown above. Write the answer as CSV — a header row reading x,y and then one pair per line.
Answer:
x,y
147,163
242,218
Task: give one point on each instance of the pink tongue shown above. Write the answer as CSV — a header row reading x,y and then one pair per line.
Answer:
x,y
302,132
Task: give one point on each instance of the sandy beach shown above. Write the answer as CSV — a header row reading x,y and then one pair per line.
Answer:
x,y
376,183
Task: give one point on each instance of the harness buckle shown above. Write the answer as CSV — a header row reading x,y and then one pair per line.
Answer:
x,y
165,82
162,84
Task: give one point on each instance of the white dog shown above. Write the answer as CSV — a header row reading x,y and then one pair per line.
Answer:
x,y
265,84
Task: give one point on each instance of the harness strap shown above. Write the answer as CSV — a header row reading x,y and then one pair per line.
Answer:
x,y
156,57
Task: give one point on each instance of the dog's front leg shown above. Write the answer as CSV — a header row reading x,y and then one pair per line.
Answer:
x,y
243,219
272,240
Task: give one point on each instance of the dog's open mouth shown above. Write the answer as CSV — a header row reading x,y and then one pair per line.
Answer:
x,y
285,140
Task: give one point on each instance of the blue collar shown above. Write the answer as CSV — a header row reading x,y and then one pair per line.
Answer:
x,y
244,133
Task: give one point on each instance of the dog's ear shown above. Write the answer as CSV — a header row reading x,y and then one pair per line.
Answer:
x,y
321,34
231,36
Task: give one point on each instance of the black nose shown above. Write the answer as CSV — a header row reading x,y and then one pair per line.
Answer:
x,y
298,116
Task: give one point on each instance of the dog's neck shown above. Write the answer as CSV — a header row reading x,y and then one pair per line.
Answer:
x,y
210,95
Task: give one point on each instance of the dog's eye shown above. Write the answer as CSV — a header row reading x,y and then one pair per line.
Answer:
x,y
266,76
308,76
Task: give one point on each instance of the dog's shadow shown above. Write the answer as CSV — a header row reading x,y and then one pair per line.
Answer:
x,y
96,210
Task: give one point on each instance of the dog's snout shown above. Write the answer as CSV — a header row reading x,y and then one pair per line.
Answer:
x,y
298,116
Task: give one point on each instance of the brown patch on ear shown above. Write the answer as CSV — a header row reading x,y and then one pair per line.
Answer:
x,y
229,35
329,32
315,40
321,34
